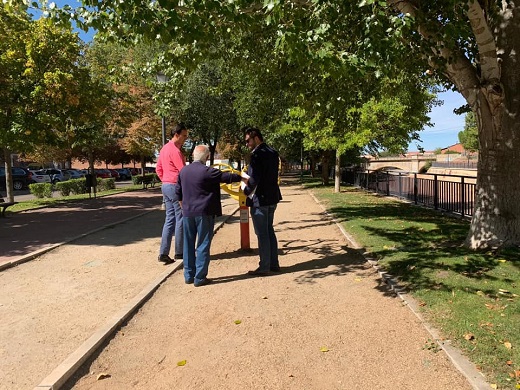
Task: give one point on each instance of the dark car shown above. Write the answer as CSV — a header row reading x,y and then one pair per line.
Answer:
x,y
103,173
20,178
124,173
115,174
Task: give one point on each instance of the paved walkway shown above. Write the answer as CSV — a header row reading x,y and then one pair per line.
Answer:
x,y
326,297
33,231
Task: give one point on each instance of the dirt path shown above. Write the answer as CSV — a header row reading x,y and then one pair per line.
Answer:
x,y
326,322
51,305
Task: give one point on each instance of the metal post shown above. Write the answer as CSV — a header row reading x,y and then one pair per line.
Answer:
x,y
163,123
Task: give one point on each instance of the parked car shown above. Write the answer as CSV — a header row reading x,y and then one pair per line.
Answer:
x,y
103,173
124,173
115,174
75,173
149,169
40,177
20,178
56,175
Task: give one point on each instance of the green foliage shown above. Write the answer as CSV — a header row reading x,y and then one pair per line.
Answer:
x,y
73,186
147,178
41,190
105,184
469,136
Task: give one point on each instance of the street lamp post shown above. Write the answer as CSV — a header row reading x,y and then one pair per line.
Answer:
x,y
162,79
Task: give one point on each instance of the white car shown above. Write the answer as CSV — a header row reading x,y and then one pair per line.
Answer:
x,y
40,177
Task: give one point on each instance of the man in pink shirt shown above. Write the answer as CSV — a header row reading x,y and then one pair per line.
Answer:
x,y
171,161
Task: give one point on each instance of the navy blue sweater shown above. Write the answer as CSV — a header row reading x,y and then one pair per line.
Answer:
x,y
198,187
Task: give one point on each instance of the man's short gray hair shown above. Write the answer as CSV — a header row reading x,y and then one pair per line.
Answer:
x,y
201,153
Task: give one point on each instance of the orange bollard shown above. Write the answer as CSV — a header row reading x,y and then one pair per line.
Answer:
x,y
244,222
244,228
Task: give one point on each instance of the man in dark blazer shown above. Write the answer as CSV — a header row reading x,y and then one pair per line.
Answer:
x,y
263,194
198,189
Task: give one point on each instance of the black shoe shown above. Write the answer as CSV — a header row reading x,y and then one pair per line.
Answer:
x,y
166,259
189,281
276,269
257,272
203,282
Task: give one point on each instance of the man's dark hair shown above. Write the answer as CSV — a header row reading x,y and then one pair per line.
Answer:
x,y
254,132
178,129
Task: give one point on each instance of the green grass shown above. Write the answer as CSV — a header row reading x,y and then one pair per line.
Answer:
x,y
472,298
44,202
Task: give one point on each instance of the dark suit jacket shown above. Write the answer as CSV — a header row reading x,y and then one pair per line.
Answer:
x,y
263,172
198,187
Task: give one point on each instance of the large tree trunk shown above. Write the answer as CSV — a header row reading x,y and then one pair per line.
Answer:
x,y
496,219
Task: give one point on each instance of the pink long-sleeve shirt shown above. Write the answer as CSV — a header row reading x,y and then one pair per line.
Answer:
x,y
170,162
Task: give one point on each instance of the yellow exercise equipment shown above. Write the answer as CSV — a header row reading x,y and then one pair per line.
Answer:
x,y
234,190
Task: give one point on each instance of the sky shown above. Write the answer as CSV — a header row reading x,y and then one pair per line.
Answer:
x,y
446,124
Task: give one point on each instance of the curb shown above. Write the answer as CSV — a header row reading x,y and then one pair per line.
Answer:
x,y
59,376
461,362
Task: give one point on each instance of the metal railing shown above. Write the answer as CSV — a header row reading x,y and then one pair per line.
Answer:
x,y
451,193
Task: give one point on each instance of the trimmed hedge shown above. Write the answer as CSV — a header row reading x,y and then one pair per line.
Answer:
x,y
147,178
41,190
66,188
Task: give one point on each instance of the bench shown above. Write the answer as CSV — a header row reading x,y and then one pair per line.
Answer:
x,y
5,205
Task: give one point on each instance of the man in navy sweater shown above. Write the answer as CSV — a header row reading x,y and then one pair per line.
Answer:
x,y
198,189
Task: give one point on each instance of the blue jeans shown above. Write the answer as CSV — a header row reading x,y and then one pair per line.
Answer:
x,y
263,217
172,222
196,259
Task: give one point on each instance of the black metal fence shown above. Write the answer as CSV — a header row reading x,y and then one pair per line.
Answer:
x,y
452,193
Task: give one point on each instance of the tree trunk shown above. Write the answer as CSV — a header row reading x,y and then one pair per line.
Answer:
x,y
325,164
337,173
496,219
9,194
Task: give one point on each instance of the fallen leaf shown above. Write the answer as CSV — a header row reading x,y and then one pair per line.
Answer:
x,y
469,336
103,375
502,260
324,349
480,293
502,291
493,386
181,363
264,297
237,322
358,279
518,385
291,376
509,362
508,345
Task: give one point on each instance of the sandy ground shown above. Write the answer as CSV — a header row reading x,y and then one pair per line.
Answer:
x,y
325,322
51,305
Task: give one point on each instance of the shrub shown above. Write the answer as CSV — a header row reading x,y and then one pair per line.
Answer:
x,y
41,190
147,177
73,186
106,184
